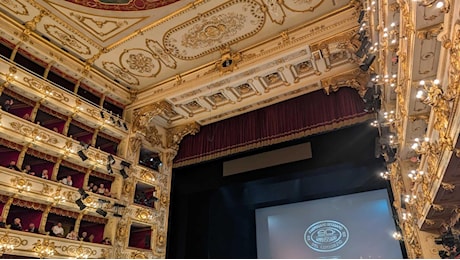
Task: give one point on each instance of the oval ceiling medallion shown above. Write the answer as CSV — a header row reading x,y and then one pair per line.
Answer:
x,y
224,25
140,62
123,5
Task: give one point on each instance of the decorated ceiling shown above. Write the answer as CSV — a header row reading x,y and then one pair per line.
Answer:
x,y
198,61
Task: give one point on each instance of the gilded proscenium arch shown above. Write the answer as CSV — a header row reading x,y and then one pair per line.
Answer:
x,y
174,135
143,115
355,79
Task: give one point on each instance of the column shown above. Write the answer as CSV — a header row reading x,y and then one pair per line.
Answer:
x,y
55,172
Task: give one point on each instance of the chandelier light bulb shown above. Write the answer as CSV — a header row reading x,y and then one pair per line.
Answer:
x,y
422,82
419,94
436,81
440,5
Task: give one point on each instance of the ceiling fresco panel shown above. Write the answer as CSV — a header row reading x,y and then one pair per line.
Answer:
x,y
213,30
103,26
20,9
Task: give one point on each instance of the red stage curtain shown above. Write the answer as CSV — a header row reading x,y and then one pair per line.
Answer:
x,y
295,118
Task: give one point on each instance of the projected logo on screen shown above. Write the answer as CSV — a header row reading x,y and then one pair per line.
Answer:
x,y
326,236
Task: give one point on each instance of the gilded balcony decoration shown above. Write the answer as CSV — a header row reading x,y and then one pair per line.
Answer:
x,y
9,243
44,249
79,252
21,184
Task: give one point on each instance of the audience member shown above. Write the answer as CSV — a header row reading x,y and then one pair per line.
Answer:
x,y
95,189
67,180
101,189
27,169
55,129
72,235
2,222
26,116
45,174
7,105
84,236
106,241
91,238
107,192
90,186
13,166
16,224
57,230
32,228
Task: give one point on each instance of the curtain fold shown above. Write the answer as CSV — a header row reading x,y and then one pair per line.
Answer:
x,y
309,114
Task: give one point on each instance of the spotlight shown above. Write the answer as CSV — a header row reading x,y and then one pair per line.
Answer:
x,y
101,212
124,174
125,163
362,34
82,155
119,123
361,16
111,159
113,119
125,126
364,47
80,204
117,207
85,145
109,169
102,114
367,62
83,193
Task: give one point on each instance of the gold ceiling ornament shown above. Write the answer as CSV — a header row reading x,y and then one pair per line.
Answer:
x,y
15,6
228,60
153,137
44,249
142,116
79,252
66,39
174,135
29,26
448,186
437,207
9,243
21,184
353,79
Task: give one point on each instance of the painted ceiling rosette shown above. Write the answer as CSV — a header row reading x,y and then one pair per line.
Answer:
x,y
224,25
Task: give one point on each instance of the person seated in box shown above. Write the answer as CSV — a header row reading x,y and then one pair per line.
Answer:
x,y
45,174
16,224
57,230
13,166
32,228
67,181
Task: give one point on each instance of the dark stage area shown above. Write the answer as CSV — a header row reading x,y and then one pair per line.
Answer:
x,y
212,216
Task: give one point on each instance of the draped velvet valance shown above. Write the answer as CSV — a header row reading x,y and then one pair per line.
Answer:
x,y
309,114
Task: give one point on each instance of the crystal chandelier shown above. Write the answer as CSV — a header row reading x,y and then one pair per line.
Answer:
x,y
44,249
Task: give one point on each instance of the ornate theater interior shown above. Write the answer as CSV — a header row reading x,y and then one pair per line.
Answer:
x,y
120,119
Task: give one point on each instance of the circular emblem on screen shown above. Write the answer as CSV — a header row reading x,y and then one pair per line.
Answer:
x,y
326,236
